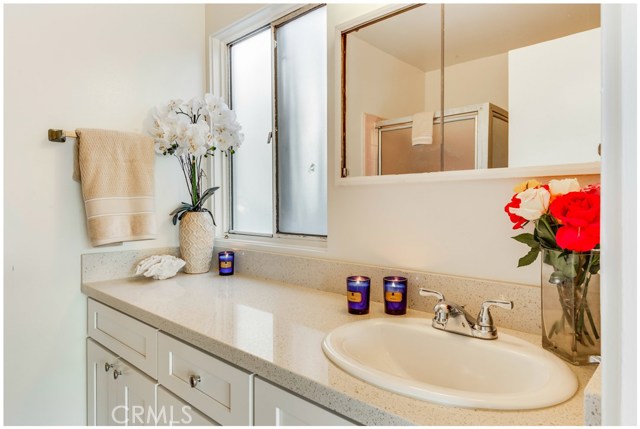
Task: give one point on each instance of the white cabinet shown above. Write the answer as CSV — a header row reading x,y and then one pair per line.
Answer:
x,y
137,375
177,412
118,393
274,406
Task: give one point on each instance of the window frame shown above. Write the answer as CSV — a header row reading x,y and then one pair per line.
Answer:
x,y
220,169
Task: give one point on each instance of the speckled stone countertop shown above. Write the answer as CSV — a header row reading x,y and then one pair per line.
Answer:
x,y
275,330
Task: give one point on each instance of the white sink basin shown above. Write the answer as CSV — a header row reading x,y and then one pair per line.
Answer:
x,y
409,357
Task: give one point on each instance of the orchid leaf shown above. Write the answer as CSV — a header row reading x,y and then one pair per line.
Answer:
x,y
183,206
210,214
175,219
205,196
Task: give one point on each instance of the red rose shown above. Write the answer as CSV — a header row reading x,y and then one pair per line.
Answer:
x,y
592,189
579,214
518,221
578,239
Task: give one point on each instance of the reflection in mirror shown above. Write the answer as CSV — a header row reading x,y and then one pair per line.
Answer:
x,y
521,88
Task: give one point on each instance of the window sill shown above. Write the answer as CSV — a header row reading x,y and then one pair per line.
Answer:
x,y
294,245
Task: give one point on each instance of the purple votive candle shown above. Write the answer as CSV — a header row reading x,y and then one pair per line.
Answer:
x,y
358,288
395,295
225,263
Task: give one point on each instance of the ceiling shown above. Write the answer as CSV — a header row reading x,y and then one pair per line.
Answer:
x,y
474,31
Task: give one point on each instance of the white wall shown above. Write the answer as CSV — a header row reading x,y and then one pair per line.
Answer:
x,y
218,16
69,66
554,102
472,82
378,84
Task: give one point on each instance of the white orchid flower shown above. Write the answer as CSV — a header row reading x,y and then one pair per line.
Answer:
x,y
214,104
162,146
173,105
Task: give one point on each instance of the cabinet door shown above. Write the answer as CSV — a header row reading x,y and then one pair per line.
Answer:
x,y
134,396
117,393
98,382
276,407
173,411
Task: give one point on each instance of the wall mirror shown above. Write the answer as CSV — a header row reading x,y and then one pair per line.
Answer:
x,y
521,88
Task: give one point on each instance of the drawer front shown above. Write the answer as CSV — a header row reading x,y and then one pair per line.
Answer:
x,y
127,337
176,412
222,392
277,407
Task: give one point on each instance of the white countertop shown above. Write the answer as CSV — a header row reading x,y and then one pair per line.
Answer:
x,y
275,330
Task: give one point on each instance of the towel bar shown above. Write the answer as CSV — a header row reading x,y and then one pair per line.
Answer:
x,y
60,136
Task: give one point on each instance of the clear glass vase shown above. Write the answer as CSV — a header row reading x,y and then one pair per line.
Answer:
x,y
570,286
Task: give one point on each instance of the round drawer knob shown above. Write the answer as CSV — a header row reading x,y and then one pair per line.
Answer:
x,y
194,380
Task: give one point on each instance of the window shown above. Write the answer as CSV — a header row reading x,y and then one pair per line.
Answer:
x,y
277,87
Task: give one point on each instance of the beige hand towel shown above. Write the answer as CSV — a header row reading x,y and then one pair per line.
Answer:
x,y
422,128
116,173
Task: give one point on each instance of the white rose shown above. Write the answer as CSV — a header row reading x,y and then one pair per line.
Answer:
x,y
534,202
564,186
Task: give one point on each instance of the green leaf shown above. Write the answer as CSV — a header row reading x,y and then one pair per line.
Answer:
x,y
569,269
183,206
545,233
210,214
529,258
209,192
528,239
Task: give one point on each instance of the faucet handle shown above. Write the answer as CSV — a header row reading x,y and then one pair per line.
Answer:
x,y
484,317
434,293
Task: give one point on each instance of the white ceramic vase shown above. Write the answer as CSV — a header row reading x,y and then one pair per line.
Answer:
x,y
196,242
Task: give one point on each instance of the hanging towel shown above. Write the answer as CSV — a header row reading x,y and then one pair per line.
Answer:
x,y
115,170
422,128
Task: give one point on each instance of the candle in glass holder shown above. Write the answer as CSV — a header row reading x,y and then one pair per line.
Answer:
x,y
225,263
395,295
358,288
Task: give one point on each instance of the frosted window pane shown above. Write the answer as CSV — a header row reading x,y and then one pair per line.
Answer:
x,y
302,124
252,167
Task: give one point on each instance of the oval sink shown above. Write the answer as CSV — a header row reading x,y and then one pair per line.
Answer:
x,y
409,357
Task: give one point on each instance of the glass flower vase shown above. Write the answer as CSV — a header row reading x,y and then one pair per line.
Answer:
x,y
570,286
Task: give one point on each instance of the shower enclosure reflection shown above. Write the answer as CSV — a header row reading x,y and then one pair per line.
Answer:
x,y
477,137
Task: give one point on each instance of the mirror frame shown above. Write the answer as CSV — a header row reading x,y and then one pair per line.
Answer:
x,y
341,30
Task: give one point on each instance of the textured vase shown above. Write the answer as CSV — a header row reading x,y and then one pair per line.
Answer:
x,y
571,305
196,242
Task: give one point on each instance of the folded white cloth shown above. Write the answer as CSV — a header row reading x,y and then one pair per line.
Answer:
x,y
422,128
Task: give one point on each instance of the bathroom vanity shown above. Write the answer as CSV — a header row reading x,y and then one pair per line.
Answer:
x,y
240,350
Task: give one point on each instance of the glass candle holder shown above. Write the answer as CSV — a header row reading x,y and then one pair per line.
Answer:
x,y
395,295
358,288
225,263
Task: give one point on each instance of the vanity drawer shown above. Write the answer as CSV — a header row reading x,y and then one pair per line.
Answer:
x,y
132,340
221,391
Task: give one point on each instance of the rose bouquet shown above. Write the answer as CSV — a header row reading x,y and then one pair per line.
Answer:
x,y
566,229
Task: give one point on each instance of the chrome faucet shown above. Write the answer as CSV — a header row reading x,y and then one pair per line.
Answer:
x,y
452,317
